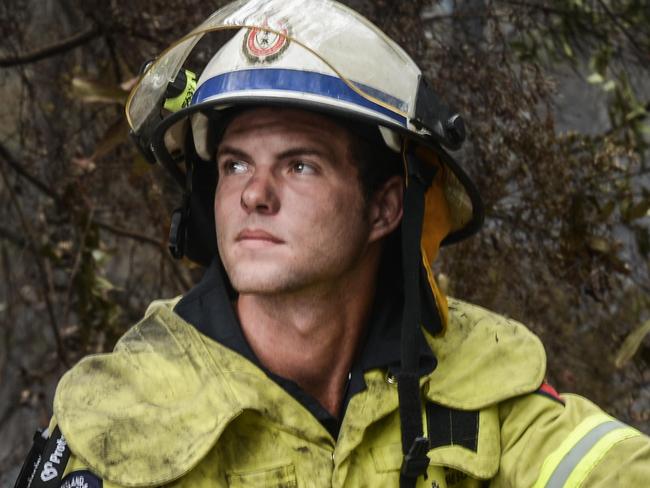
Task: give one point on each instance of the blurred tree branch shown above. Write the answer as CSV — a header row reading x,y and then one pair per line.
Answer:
x,y
12,237
51,50
150,241
22,171
621,25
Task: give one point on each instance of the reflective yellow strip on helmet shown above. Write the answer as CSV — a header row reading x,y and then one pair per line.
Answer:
x,y
584,447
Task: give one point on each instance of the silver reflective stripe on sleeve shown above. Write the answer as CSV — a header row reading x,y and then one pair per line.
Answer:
x,y
569,465
575,455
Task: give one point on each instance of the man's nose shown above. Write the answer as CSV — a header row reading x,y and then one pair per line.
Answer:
x,y
260,194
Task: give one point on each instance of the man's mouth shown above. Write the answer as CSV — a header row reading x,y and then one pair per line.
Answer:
x,y
257,235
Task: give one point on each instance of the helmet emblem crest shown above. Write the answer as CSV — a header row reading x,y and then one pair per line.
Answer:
x,y
264,46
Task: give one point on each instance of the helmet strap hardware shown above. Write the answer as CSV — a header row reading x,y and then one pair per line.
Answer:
x,y
431,113
145,150
178,230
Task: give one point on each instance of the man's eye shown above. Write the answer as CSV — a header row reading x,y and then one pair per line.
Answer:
x,y
235,167
303,168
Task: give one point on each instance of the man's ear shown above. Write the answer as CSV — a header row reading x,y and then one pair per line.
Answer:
x,y
386,208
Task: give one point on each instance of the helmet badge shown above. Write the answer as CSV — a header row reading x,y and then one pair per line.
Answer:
x,y
264,46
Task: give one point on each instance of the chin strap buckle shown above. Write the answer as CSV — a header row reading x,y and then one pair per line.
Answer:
x,y
178,232
416,462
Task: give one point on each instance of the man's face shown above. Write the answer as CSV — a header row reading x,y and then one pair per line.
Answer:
x,y
289,209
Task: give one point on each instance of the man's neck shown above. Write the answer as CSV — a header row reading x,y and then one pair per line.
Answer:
x,y
312,336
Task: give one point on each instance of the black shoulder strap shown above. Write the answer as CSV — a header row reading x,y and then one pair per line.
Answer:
x,y
32,461
45,462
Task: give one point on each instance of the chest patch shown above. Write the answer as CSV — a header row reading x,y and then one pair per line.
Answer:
x,y
49,467
81,479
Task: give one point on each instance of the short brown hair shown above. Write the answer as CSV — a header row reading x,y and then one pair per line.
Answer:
x,y
375,161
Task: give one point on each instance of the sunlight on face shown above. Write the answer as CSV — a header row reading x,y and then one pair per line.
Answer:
x,y
289,208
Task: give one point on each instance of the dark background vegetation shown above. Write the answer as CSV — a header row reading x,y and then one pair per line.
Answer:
x,y
556,98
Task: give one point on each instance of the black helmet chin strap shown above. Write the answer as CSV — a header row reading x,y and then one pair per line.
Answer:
x,y
177,242
414,445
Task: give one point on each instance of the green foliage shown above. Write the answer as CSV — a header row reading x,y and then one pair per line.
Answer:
x,y
612,36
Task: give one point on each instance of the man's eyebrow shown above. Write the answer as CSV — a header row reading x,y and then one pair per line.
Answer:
x,y
289,153
304,151
231,151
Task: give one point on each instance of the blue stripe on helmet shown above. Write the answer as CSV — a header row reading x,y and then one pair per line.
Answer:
x,y
298,81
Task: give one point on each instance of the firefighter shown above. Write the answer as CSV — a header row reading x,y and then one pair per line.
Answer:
x,y
317,350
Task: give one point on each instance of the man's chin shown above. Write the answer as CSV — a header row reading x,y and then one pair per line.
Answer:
x,y
257,288
260,282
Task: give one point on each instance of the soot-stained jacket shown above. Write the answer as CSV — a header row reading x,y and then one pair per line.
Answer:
x,y
174,407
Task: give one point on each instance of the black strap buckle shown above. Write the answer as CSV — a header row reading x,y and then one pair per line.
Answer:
x,y
177,232
420,171
416,461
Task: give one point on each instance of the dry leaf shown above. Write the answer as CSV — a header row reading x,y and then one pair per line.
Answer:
x,y
95,92
129,84
598,244
87,165
631,344
115,135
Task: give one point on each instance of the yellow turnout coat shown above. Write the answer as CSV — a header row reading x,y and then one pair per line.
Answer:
x,y
171,407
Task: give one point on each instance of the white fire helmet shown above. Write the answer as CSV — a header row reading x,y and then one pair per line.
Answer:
x,y
315,54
